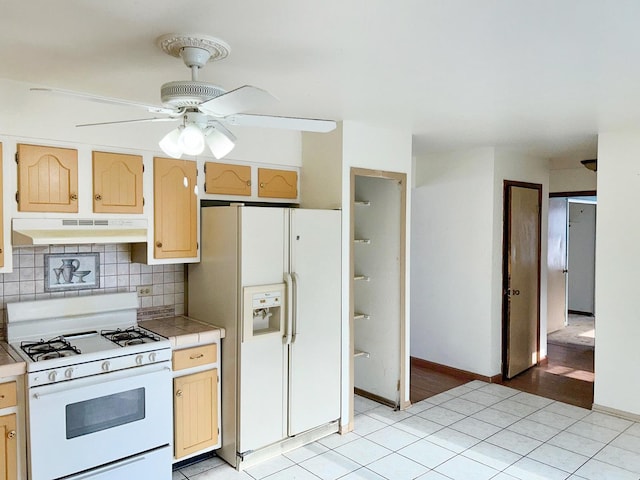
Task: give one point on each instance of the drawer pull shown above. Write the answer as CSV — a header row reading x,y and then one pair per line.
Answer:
x,y
193,357
11,434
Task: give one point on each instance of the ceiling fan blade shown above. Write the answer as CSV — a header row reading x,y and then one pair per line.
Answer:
x,y
109,100
138,120
289,123
239,100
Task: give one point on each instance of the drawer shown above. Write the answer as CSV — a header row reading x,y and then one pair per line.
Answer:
x,y
8,394
194,357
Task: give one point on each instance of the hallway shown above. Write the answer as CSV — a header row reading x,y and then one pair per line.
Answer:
x,y
566,376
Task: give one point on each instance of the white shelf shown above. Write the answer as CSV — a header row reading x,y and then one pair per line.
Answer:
x,y
363,316
362,240
363,278
361,353
362,203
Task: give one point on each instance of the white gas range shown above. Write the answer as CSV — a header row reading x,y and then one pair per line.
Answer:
x,y
98,388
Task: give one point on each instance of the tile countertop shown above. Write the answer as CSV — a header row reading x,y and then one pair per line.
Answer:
x,y
184,331
10,363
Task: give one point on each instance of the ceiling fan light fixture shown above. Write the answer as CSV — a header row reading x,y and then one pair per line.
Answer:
x,y
170,145
220,141
191,140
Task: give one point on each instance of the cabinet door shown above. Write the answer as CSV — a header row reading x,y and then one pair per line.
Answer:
x,y
8,449
1,213
227,179
195,412
175,208
277,183
117,183
47,179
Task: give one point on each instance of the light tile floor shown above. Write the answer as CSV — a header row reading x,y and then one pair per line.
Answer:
x,y
475,431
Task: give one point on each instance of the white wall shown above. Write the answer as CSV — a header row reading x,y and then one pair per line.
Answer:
x,y
617,270
452,239
457,255
578,179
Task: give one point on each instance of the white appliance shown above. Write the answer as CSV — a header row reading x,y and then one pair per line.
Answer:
x,y
272,278
98,388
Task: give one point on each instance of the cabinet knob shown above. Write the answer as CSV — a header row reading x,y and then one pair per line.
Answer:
x,y
98,197
73,197
261,185
179,393
159,244
248,183
11,434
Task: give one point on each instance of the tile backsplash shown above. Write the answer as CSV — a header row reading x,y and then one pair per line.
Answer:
x,y
117,274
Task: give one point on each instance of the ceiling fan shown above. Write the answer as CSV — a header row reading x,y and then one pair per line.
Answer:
x,y
202,107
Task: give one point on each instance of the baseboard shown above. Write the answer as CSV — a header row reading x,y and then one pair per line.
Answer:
x,y
616,413
579,312
454,372
374,397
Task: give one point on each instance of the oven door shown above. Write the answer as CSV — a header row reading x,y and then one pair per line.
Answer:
x,y
86,423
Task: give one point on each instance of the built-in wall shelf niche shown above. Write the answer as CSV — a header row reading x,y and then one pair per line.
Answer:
x,y
362,203
365,241
361,353
361,278
363,316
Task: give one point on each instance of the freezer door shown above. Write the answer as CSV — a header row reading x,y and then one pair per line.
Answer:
x,y
314,352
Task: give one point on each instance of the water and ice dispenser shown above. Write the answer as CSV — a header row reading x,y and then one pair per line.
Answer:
x,y
263,310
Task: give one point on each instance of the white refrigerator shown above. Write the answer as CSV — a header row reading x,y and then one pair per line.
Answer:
x,y
281,363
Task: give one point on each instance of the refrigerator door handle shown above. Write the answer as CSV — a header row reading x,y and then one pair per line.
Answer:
x,y
289,293
296,278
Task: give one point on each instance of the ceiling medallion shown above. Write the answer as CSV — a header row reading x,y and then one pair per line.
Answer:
x,y
174,43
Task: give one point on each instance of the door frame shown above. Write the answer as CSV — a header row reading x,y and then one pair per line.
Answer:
x,y
401,178
506,235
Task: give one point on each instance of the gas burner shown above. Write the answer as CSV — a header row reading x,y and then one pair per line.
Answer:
x,y
130,336
48,349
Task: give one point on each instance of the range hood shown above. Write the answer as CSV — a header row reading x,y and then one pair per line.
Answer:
x,y
65,231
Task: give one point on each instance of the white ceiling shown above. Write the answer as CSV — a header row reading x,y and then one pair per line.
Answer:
x,y
543,75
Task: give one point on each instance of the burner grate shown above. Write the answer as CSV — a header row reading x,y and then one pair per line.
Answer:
x,y
48,349
129,336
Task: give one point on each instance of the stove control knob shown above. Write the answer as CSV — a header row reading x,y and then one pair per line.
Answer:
x,y
139,359
152,357
53,375
68,373
105,366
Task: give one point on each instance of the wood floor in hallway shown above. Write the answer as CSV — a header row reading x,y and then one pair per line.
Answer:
x,y
567,376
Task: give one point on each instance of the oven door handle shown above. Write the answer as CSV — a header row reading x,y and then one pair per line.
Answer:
x,y
64,387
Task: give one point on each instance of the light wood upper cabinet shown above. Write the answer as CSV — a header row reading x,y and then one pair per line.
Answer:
x,y
1,213
195,406
117,183
175,208
277,183
8,448
227,179
47,179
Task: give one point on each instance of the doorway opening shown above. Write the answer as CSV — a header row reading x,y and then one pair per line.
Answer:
x,y
571,325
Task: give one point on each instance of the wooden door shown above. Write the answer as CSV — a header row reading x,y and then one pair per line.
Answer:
x,y
47,179
557,265
277,183
117,183
175,208
521,277
227,179
195,412
8,449
581,258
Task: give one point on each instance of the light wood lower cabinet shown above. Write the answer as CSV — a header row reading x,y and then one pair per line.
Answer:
x,y
8,448
195,412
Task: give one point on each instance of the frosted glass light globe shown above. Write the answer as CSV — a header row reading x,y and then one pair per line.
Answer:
x,y
191,140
